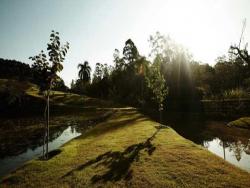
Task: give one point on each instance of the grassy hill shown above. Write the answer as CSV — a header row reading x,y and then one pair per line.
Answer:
x,y
19,98
243,122
126,150
25,121
23,98
129,150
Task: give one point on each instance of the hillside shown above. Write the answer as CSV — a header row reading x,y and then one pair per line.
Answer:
x,y
243,122
126,150
23,99
129,150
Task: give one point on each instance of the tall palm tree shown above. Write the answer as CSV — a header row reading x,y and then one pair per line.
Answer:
x,y
84,72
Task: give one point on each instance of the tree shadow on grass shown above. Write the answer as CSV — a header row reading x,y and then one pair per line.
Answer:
x,y
118,163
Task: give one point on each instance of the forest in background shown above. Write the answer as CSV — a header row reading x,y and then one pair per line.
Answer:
x,y
187,81
126,81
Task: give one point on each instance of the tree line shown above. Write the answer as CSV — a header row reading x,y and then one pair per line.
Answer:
x,y
16,70
170,78
134,79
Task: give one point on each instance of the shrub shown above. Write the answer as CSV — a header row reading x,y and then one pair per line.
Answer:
x,y
236,93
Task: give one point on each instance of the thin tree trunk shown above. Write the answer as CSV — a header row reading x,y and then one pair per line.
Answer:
x,y
45,130
160,111
160,116
47,144
142,92
224,150
44,141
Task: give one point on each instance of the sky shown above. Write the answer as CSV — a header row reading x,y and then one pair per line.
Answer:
x,y
95,28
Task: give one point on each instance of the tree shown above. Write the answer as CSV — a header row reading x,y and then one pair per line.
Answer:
x,y
125,82
72,84
130,52
106,70
59,85
157,84
164,47
175,65
119,62
141,66
240,52
48,69
98,73
84,72
13,69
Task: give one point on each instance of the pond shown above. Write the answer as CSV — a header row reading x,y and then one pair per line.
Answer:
x,y
16,151
21,144
230,143
21,139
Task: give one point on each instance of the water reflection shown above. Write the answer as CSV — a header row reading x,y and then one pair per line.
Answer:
x,y
58,137
231,144
234,152
19,135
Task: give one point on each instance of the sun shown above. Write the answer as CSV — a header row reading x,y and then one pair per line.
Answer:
x,y
197,25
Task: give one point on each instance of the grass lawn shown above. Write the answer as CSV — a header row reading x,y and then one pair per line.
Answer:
x,y
129,150
243,122
28,102
66,109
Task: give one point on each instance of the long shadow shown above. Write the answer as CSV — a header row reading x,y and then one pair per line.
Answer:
x,y
115,125
118,163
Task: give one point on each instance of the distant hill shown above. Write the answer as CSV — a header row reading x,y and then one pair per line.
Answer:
x,y
17,97
21,98
12,69
16,70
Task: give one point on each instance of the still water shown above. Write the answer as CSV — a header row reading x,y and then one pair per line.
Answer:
x,y
229,143
10,161
236,153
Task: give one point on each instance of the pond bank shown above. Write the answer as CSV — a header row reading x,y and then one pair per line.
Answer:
x,y
22,139
230,143
243,122
227,108
130,150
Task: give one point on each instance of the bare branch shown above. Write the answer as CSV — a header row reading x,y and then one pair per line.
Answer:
x,y
242,31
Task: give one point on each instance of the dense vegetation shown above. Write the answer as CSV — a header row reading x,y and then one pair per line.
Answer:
x,y
130,78
187,81
16,70
126,148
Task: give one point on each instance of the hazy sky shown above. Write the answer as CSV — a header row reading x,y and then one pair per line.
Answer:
x,y
94,28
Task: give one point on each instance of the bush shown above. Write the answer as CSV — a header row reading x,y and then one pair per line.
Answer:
x,y
236,93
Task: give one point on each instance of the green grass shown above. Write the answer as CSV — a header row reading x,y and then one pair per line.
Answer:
x,y
32,103
129,150
126,150
243,122
66,109
30,131
19,87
